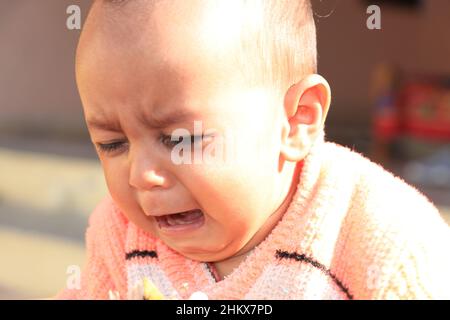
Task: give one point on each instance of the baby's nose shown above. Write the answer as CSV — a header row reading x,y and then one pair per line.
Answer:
x,y
147,179
145,168
145,176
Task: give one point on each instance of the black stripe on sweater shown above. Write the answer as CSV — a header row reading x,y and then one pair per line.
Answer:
x,y
141,254
303,258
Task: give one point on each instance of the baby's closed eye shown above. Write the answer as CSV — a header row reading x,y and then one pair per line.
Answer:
x,y
168,141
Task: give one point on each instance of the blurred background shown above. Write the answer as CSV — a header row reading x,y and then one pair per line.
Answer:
x,y
391,102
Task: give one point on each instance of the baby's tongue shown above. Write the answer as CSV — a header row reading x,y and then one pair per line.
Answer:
x,y
183,218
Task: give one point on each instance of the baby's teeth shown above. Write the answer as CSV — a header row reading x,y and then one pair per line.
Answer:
x,y
183,222
170,221
183,218
174,221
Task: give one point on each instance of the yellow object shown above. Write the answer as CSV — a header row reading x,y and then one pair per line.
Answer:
x,y
151,292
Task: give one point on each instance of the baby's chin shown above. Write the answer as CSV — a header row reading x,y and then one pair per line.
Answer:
x,y
199,252
208,243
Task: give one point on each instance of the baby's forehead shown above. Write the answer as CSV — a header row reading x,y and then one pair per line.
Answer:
x,y
200,44
207,24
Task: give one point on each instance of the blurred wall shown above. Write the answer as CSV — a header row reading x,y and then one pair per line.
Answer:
x,y
37,83
413,40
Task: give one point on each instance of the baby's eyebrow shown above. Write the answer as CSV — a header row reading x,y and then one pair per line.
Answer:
x,y
171,118
94,123
168,119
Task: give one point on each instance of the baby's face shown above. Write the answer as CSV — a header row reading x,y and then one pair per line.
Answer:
x,y
136,90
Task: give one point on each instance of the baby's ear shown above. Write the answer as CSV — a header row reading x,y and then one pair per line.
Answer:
x,y
306,105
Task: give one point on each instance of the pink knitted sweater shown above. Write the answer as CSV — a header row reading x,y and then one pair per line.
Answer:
x,y
352,231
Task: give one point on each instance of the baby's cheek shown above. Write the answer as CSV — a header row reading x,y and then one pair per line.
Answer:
x,y
118,186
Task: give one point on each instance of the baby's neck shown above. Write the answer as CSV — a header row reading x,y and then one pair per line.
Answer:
x,y
225,267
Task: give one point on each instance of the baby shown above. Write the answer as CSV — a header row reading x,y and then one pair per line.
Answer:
x,y
169,88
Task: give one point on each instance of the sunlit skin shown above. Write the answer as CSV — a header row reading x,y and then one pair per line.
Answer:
x,y
141,66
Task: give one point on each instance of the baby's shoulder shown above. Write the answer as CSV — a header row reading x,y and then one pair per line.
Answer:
x,y
377,193
393,232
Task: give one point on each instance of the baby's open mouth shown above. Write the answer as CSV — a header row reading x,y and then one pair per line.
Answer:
x,y
181,221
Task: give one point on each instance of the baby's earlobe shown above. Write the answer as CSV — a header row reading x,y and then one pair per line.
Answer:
x,y
296,146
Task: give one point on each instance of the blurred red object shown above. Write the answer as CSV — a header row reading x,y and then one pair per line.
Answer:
x,y
386,123
407,106
425,110
410,105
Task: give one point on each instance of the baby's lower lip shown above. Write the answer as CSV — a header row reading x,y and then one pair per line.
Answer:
x,y
181,222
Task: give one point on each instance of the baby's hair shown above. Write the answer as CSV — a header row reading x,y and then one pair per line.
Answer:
x,y
284,48
280,48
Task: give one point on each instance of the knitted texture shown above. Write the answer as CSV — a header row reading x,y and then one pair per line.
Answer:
x,y
352,231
